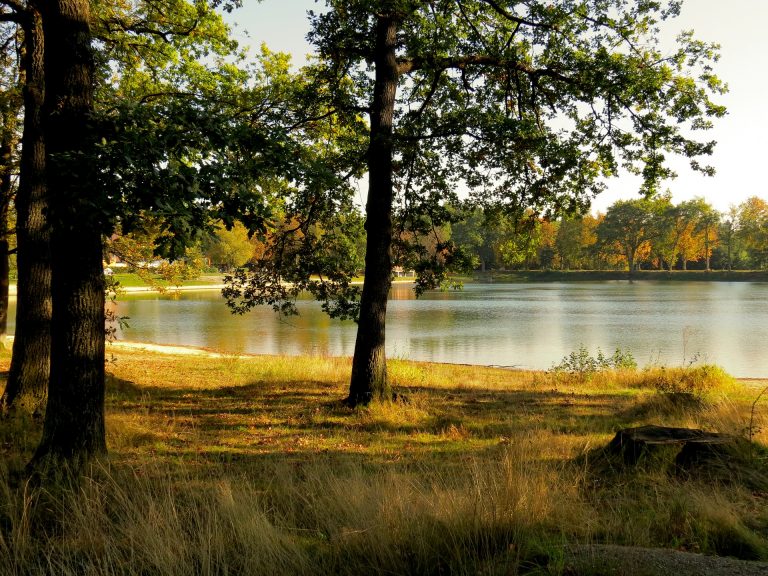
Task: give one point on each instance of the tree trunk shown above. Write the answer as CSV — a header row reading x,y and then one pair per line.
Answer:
x,y
706,248
7,145
73,430
369,365
28,376
631,260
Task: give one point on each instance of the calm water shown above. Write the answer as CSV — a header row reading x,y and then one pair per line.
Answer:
x,y
520,325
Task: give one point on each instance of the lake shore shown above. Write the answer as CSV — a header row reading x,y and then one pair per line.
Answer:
x,y
496,276
640,275
184,351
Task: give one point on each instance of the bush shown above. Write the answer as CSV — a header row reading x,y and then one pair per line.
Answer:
x,y
581,363
694,381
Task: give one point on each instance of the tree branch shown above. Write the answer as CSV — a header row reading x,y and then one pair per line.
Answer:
x,y
407,66
142,27
500,11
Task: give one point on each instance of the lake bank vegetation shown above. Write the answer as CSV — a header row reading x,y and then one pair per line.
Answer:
x,y
244,465
600,275
644,239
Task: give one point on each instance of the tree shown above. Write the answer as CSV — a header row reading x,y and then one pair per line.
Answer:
x,y
729,222
527,105
706,224
753,230
231,248
674,223
519,243
475,233
189,156
137,40
574,242
629,225
10,109
30,363
137,250
73,429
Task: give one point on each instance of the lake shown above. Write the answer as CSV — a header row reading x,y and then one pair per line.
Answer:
x,y
526,325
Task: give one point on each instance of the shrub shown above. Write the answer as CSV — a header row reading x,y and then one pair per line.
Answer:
x,y
694,381
581,363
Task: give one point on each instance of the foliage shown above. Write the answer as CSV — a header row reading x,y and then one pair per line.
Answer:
x,y
580,363
654,232
504,107
694,382
229,249
137,249
321,258
187,131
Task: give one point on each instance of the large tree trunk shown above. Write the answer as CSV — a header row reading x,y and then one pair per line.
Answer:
x,y
73,430
29,372
369,365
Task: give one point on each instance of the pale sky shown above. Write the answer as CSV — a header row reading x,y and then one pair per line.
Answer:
x,y
737,25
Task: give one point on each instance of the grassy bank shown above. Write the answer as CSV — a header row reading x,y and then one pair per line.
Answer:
x,y
597,275
132,280
252,466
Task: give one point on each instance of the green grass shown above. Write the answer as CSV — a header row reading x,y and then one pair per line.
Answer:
x,y
252,466
131,280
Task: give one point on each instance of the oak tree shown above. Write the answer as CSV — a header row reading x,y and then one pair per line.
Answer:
x,y
520,105
30,363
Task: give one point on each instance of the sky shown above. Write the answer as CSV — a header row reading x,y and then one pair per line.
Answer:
x,y
742,136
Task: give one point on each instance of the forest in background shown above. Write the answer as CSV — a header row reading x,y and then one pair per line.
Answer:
x,y
651,234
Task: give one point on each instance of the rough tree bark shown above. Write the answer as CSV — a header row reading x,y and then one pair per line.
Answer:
x,y
369,367
29,371
73,429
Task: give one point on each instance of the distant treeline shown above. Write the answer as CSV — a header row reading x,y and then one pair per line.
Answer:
x,y
641,234
650,234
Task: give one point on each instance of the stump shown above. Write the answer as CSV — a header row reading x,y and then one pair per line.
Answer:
x,y
633,443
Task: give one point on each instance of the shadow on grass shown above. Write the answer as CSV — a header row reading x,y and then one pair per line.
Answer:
x,y
259,421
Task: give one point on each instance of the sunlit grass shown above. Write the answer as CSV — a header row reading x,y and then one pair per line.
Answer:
x,y
252,465
133,280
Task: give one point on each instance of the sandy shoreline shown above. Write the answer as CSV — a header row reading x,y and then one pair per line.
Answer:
x,y
171,349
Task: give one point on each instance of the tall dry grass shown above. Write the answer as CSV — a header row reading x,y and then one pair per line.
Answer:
x,y
252,466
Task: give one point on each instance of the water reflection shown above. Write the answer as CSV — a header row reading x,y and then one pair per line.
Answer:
x,y
524,325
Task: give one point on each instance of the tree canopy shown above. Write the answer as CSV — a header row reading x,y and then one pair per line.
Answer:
x,y
527,107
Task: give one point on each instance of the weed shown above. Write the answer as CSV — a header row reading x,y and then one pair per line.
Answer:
x,y
584,365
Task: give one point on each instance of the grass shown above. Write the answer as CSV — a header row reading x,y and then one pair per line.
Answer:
x,y
252,466
133,280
